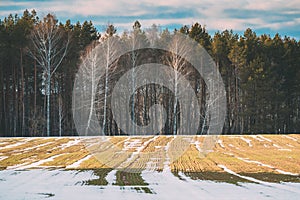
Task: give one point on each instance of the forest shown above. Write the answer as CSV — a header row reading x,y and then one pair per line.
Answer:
x,y
261,74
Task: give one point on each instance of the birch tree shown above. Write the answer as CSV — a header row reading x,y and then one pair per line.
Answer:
x,y
136,40
110,49
87,89
178,63
61,115
50,47
92,86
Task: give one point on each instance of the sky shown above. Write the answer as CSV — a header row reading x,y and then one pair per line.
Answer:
x,y
263,16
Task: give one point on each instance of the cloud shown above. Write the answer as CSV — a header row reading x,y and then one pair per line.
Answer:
x,y
273,15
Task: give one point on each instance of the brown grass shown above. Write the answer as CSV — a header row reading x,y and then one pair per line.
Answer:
x,y
281,153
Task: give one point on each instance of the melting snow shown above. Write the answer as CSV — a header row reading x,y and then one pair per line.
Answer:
x,y
264,138
77,163
197,145
33,165
61,184
289,137
19,143
140,148
111,177
38,146
220,142
247,141
266,165
277,146
284,149
257,138
69,144
3,157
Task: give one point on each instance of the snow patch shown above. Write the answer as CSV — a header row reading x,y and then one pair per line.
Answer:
x,y
131,144
140,148
247,141
266,165
264,138
220,142
111,177
13,145
35,164
277,146
197,145
289,137
238,175
67,184
38,146
273,185
284,149
69,144
3,157
257,138
77,163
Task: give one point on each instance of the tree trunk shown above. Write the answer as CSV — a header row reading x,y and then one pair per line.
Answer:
x,y
22,93
48,100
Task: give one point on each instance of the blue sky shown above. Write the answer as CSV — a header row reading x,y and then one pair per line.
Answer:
x,y
268,17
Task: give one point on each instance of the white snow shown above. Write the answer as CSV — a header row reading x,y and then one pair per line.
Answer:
x,y
3,157
77,163
139,148
220,142
266,165
13,145
3,143
38,146
286,173
60,184
247,141
277,146
131,144
68,184
167,169
238,175
33,165
111,177
289,137
264,138
282,149
69,144
264,183
197,145
18,166
257,138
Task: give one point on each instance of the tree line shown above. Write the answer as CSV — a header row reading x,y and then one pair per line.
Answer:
x,y
260,73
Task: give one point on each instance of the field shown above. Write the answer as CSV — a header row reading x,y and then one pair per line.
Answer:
x,y
256,166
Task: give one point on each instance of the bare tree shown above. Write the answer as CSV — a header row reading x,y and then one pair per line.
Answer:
x,y
85,88
50,45
61,114
137,39
110,50
177,47
92,86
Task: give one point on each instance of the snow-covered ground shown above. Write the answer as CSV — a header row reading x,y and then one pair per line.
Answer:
x,y
61,185
29,179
